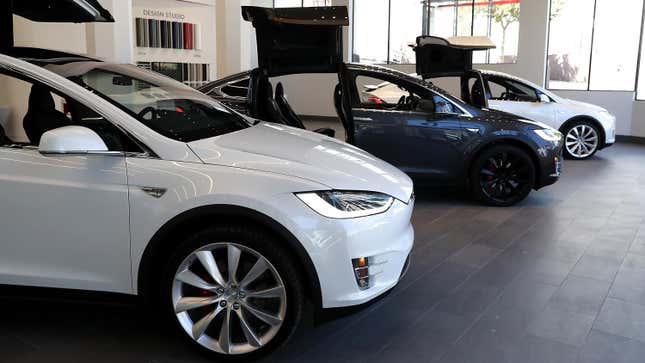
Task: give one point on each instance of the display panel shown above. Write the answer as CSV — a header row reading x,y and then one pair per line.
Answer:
x,y
155,33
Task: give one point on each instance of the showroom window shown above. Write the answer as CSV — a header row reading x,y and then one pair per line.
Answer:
x,y
384,29
299,3
588,49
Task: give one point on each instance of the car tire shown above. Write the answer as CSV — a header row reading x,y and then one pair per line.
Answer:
x,y
581,140
502,176
270,305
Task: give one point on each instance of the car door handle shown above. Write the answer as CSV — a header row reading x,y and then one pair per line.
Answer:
x,y
154,192
363,119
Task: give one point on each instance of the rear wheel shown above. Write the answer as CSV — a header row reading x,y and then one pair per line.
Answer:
x,y
502,175
581,140
233,292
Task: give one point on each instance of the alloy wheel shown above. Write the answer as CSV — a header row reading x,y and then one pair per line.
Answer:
x,y
582,141
504,176
229,298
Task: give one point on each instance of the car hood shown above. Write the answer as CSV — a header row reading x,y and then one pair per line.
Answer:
x,y
289,151
583,105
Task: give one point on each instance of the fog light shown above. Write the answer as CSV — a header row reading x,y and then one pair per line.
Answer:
x,y
361,272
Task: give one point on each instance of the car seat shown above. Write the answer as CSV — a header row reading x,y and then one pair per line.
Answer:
x,y
338,103
42,115
291,116
477,95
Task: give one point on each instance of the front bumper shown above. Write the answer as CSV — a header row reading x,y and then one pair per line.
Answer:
x,y
385,239
609,129
551,164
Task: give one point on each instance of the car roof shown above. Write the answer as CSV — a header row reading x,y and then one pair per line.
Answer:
x,y
43,57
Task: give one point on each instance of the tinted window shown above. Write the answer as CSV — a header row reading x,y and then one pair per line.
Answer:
x,y
504,89
33,109
237,89
162,104
381,94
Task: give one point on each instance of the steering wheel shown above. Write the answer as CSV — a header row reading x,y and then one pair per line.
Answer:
x,y
149,110
412,101
401,102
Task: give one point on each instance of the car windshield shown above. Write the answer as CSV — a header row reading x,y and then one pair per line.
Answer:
x,y
163,104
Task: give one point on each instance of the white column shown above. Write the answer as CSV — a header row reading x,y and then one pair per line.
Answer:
x,y
113,42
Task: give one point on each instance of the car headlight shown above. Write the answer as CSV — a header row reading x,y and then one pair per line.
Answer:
x,y
551,135
346,204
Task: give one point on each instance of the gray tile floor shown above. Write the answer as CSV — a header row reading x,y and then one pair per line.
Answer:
x,y
559,278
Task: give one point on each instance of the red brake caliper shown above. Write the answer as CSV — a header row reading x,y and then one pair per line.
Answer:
x,y
491,168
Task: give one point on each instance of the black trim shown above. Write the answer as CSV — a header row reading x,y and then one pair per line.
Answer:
x,y
65,296
318,118
160,244
630,139
6,25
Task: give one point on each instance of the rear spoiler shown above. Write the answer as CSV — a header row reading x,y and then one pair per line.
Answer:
x,y
437,57
298,40
54,11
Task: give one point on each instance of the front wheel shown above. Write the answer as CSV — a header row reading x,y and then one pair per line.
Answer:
x,y
502,175
233,292
581,140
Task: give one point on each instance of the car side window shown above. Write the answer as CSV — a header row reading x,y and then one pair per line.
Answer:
x,y
31,109
237,89
503,89
376,93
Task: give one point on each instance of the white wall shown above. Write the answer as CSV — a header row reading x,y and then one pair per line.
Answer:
x,y
113,41
65,37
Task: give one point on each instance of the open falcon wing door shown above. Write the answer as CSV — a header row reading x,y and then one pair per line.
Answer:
x,y
54,11
443,57
298,40
453,57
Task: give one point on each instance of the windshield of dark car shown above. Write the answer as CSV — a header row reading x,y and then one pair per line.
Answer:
x,y
163,104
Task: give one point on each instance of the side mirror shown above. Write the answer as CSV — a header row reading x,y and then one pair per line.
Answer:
x,y
72,140
544,98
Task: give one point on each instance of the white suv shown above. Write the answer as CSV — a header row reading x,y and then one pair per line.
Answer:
x,y
127,181
587,128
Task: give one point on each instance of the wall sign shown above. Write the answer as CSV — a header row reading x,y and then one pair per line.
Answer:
x,y
154,33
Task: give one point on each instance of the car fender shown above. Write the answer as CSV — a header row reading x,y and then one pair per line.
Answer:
x,y
163,193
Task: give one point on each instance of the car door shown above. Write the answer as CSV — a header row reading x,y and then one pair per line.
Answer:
x,y
407,126
64,217
518,98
